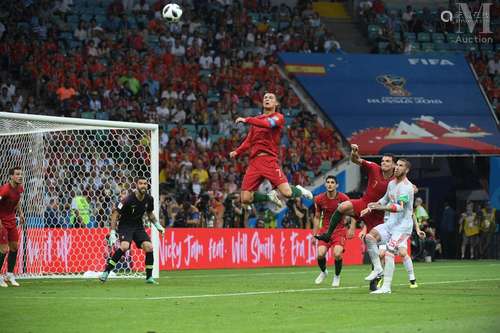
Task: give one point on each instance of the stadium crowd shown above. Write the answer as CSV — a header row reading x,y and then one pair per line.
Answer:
x,y
415,30
121,61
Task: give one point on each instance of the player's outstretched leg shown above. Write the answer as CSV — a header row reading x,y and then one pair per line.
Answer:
x,y
292,192
114,260
248,197
336,217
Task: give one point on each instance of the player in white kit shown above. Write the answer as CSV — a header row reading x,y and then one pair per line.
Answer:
x,y
398,201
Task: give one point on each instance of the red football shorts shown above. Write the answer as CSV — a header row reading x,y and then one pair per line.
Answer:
x,y
260,168
338,237
372,219
8,234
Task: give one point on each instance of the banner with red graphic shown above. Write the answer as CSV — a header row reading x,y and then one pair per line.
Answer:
x,y
244,248
45,250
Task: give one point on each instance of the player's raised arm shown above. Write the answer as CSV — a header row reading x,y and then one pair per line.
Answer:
x,y
355,158
245,145
276,120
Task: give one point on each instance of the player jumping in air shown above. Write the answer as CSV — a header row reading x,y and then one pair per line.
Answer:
x,y
398,201
263,141
10,195
325,204
378,178
129,213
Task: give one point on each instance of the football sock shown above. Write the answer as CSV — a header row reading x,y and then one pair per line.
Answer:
x,y
371,245
149,264
11,261
408,263
389,270
114,260
322,263
260,197
334,220
338,267
296,193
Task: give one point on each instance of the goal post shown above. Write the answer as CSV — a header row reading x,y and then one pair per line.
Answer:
x,y
74,171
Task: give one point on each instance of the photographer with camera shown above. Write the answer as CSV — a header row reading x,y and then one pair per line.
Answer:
x,y
188,215
233,212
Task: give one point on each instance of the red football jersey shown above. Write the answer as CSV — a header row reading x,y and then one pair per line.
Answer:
x,y
377,184
328,206
9,198
264,135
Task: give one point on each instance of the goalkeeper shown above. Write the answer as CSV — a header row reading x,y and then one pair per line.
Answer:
x,y
129,214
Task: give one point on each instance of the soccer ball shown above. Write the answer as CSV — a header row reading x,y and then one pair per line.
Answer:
x,y
172,12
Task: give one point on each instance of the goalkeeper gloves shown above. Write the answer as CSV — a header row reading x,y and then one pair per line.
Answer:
x,y
159,227
113,237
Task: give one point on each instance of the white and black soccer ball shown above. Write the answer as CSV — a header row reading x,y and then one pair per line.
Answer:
x,y
172,12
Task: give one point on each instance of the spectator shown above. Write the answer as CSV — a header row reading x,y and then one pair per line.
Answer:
x,y
487,230
420,212
81,33
469,225
5,97
94,103
200,172
80,211
188,215
52,216
203,141
494,66
447,231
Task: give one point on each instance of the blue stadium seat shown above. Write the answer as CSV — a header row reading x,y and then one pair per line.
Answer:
x,y
88,115
382,46
427,47
373,31
424,37
102,115
441,47
437,37
410,36
452,38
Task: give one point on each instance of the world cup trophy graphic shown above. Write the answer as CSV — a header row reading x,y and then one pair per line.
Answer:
x,y
394,83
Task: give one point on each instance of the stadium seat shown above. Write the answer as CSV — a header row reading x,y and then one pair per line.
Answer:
x,y
441,47
452,38
438,37
325,166
88,115
102,115
410,36
382,46
427,47
424,37
373,31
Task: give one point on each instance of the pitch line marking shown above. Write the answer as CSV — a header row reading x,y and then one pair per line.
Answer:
x,y
250,293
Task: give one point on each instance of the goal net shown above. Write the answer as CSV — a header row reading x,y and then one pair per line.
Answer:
x,y
74,172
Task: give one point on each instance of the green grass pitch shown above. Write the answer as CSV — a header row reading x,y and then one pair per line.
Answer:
x,y
453,296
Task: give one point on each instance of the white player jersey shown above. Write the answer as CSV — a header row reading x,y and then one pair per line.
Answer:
x,y
396,194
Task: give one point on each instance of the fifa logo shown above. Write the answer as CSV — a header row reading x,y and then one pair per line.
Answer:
x,y
464,14
395,84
